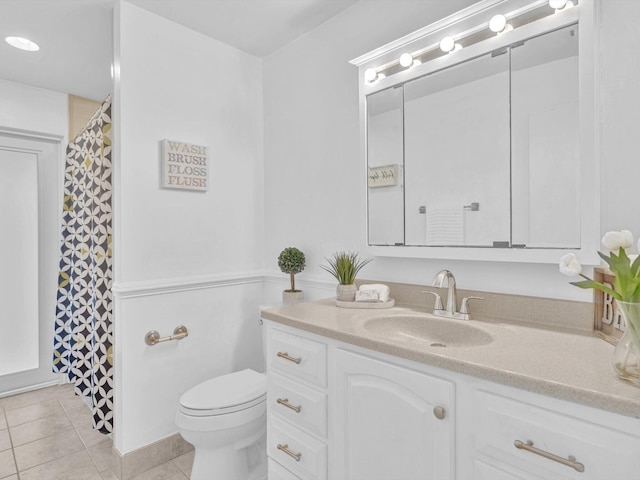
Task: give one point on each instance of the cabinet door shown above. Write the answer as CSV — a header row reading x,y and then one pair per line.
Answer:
x,y
384,423
563,447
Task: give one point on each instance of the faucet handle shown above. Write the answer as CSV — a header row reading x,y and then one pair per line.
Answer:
x,y
437,305
464,308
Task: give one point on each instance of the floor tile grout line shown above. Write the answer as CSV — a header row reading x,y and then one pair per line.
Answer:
x,y
13,450
67,407
33,419
42,438
48,436
93,460
50,461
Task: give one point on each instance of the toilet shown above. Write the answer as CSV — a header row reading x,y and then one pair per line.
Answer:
x,y
225,419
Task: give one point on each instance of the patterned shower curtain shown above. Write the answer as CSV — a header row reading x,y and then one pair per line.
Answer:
x,y
83,339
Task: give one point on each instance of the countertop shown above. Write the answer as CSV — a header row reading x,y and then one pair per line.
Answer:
x,y
561,364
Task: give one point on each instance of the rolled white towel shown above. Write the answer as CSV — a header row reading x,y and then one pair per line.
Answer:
x,y
383,290
370,296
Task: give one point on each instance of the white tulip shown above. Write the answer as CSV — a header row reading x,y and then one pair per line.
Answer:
x,y
613,241
632,258
570,265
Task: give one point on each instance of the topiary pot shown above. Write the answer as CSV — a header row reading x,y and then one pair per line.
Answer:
x,y
290,298
346,293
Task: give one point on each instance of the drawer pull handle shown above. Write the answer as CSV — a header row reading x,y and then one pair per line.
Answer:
x,y
439,412
285,402
569,462
286,356
285,449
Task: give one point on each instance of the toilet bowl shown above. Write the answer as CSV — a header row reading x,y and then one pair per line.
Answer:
x,y
224,418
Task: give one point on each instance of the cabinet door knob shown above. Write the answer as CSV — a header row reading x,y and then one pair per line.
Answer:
x,y
286,356
439,412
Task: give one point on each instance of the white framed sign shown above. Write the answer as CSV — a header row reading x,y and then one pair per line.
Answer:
x,y
385,176
184,166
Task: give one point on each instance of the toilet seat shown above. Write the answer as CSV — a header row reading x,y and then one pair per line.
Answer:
x,y
226,394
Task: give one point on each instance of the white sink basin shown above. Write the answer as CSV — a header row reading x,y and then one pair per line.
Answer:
x,y
435,331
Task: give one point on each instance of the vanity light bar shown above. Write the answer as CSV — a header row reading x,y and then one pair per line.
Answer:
x,y
497,25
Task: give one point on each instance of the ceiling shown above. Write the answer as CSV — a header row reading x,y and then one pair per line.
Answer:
x,y
75,35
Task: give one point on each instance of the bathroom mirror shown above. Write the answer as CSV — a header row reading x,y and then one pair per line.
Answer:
x,y
386,151
456,132
482,144
484,153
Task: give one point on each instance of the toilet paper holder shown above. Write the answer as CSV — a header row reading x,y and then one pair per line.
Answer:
x,y
152,337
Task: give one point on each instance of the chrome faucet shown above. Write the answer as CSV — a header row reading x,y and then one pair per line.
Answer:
x,y
444,278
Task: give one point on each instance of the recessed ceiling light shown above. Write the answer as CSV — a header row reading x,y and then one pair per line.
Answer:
x,y
22,44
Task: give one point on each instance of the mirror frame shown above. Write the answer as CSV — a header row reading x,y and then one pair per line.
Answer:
x,y
468,19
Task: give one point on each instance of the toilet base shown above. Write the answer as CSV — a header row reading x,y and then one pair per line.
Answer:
x,y
230,464
226,463
243,459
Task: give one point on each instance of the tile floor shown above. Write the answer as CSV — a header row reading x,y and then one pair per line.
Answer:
x,y
46,434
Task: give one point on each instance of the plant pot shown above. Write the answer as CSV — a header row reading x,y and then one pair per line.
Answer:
x,y
346,293
289,297
626,356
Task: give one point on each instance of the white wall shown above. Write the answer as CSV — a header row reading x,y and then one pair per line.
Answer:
x,y
620,115
34,109
19,255
182,257
30,110
314,195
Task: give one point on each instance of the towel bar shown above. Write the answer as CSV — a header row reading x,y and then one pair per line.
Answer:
x,y
152,337
474,207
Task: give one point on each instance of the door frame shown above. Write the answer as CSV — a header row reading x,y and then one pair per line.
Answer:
x,y
49,149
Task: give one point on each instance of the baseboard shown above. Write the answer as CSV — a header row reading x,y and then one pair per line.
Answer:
x,y
30,388
131,464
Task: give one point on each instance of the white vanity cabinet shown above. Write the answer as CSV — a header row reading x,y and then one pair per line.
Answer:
x,y
390,422
519,435
340,412
296,405
386,421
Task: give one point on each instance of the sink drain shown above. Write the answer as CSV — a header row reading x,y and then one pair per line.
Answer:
x,y
438,345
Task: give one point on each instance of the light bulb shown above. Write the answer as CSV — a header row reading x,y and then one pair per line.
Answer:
x,y
22,44
370,74
406,60
497,23
447,44
416,62
557,4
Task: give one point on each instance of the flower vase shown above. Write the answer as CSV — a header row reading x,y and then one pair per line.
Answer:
x,y
626,356
346,293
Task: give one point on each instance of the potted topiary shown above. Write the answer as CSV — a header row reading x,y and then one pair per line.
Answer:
x,y
291,261
344,266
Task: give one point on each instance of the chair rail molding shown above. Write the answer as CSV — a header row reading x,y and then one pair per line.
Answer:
x,y
182,284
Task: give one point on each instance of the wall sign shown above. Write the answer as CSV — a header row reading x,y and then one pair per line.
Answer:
x,y
184,166
608,322
385,176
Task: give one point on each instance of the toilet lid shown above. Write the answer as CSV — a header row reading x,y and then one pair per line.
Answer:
x,y
225,394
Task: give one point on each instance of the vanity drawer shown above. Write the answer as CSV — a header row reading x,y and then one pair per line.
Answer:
x,y
303,406
298,357
603,452
278,472
297,451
